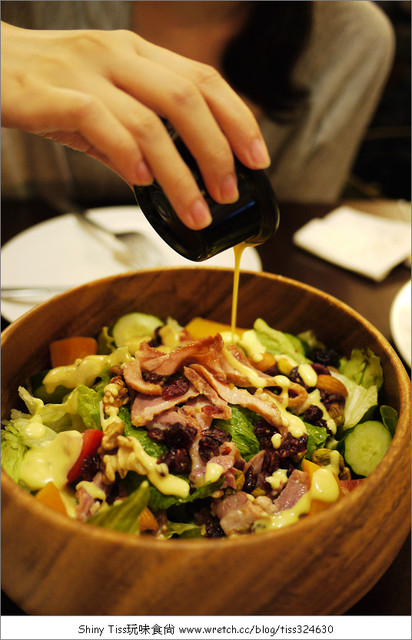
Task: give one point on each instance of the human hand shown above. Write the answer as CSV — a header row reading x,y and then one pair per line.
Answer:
x,y
105,92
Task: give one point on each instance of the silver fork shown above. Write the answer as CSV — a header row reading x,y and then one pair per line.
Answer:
x,y
132,248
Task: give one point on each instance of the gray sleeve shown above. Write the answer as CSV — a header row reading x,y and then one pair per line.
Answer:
x,y
345,66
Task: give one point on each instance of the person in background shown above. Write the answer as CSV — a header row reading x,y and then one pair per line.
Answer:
x,y
285,86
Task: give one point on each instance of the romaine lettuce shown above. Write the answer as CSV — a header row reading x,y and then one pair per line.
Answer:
x,y
360,401
277,342
240,427
317,437
124,516
363,367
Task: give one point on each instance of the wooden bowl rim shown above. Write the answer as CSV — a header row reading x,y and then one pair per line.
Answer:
x,y
338,510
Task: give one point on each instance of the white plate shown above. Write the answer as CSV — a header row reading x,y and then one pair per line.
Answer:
x,y
400,322
61,253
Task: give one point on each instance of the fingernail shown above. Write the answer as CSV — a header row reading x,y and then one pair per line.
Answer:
x,y
228,189
199,215
143,174
259,154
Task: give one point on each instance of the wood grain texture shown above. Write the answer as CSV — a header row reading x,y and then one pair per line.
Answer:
x,y
52,565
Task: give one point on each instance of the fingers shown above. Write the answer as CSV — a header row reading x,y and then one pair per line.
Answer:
x,y
231,113
178,99
105,92
161,156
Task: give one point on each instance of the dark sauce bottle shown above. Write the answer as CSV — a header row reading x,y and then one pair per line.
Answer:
x,y
252,219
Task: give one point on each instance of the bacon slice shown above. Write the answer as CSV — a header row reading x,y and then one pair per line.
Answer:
x,y
132,374
264,406
145,408
204,388
295,488
165,364
237,513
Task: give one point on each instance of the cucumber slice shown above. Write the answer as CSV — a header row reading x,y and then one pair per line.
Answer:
x,y
130,329
364,446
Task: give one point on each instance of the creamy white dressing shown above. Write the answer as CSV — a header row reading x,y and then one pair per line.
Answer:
x,y
131,456
35,428
84,371
51,461
314,398
253,376
285,364
93,490
324,487
294,424
278,479
276,440
284,383
252,345
213,471
308,374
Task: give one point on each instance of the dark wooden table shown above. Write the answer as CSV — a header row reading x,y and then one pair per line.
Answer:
x,y
391,596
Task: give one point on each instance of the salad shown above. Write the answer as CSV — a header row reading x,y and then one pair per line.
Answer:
x,y
156,429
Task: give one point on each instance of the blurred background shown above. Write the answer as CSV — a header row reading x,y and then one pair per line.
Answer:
x,y
382,168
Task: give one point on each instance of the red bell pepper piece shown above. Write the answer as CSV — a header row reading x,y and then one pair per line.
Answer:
x,y
91,442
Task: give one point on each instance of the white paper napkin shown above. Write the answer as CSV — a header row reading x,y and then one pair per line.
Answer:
x,y
364,243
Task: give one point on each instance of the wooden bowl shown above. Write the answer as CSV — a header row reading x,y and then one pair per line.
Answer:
x,y
321,565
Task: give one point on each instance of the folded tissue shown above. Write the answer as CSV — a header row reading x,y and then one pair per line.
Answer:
x,y
362,242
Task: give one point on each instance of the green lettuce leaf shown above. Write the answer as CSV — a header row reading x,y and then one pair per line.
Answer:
x,y
152,448
389,418
13,449
88,408
160,501
360,402
240,427
183,530
277,342
317,437
124,516
363,367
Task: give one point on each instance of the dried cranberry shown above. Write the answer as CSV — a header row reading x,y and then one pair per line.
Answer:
x,y
320,369
177,460
149,376
250,481
210,522
175,386
295,377
328,357
270,462
179,436
90,466
208,448
264,432
291,446
334,398
312,414
273,371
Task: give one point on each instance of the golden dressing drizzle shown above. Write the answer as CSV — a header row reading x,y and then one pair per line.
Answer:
x,y
238,251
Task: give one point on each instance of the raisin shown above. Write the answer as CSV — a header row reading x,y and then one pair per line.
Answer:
x,y
208,448
327,357
210,522
250,481
175,386
312,414
90,466
177,460
179,436
295,377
